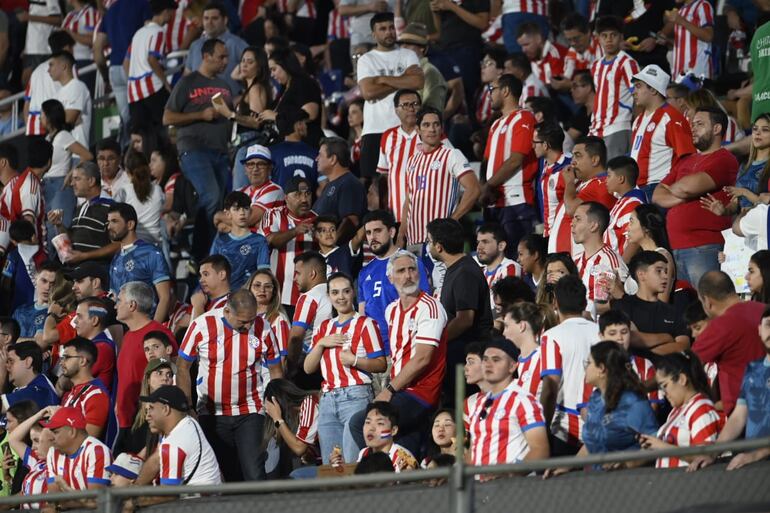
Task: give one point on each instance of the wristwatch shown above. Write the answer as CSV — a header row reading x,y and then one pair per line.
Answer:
x,y
278,423
390,388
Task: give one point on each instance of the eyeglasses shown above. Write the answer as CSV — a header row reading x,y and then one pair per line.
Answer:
x,y
264,286
487,404
486,63
68,356
409,105
255,165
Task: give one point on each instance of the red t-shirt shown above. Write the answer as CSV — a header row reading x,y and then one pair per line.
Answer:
x,y
131,365
690,225
732,341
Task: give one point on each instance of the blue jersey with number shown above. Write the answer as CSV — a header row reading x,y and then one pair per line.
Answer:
x,y
31,318
246,254
377,292
140,261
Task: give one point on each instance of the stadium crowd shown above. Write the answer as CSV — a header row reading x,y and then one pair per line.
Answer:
x,y
279,260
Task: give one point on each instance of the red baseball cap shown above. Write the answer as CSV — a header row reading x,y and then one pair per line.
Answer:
x,y
66,416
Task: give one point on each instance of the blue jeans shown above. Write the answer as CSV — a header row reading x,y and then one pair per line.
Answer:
x,y
335,410
692,263
208,171
58,197
511,22
240,180
119,84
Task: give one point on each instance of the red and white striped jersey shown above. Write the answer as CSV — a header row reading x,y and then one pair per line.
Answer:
x,y
36,480
216,303
508,135
396,148
469,406
528,371
552,185
433,186
186,456
659,140
733,133
229,363
281,328
564,348
484,105
392,453
178,312
5,235
691,55
268,195
505,268
177,28
616,233
338,27
82,22
40,88
93,401
312,308
529,6
87,466
498,437
23,196
307,8
551,63
364,341
494,32
532,87
142,81
277,220
694,423
646,372
606,259
422,323
575,61
613,105
307,429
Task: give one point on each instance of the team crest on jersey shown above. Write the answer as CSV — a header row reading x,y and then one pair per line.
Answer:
x,y
129,265
411,326
245,250
435,165
500,414
651,127
504,129
39,319
253,342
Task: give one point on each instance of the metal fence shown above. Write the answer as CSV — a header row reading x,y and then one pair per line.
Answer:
x,y
457,490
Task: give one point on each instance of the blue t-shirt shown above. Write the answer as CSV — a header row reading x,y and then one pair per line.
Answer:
x,y
375,289
617,430
141,261
339,260
120,23
755,394
246,254
39,390
748,178
292,159
16,270
342,197
31,318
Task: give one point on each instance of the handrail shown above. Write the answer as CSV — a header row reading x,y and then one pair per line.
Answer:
x,y
98,96
261,487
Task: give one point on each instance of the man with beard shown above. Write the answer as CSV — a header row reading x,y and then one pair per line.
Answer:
x,y
381,72
695,233
137,260
418,349
87,393
375,291
490,251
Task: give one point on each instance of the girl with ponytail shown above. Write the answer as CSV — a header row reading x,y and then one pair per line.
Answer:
x,y
146,197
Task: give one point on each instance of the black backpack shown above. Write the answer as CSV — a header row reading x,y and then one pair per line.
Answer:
x,y
185,198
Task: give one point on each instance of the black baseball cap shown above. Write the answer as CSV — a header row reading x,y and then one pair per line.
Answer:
x,y
170,395
90,270
505,346
294,184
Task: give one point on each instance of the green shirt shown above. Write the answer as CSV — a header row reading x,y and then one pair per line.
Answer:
x,y
760,65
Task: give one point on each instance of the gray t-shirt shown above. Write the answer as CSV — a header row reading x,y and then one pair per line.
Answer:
x,y
193,93
360,32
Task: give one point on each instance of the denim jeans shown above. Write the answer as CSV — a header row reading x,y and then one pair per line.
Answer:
x,y
236,442
692,263
58,197
240,180
511,22
517,221
208,171
335,410
413,419
119,84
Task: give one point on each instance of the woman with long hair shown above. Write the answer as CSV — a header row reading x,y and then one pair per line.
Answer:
x,y
758,276
557,265
264,286
355,115
694,420
443,436
701,98
165,169
532,252
257,95
347,349
299,91
647,231
146,197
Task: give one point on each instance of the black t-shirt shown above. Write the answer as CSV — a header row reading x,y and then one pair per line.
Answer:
x,y
580,120
301,90
651,317
465,288
455,32
342,197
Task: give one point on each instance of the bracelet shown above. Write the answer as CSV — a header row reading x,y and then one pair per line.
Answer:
x,y
355,362
390,388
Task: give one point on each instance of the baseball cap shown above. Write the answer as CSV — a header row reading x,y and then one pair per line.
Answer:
x,y
654,76
90,270
170,395
503,345
295,184
127,465
157,363
66,416
257,151
415,34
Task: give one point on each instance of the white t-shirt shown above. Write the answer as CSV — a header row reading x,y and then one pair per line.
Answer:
x,y
147,213
380,115
754,227
121,181
40,88
61,162
37,33
75,96
179,453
